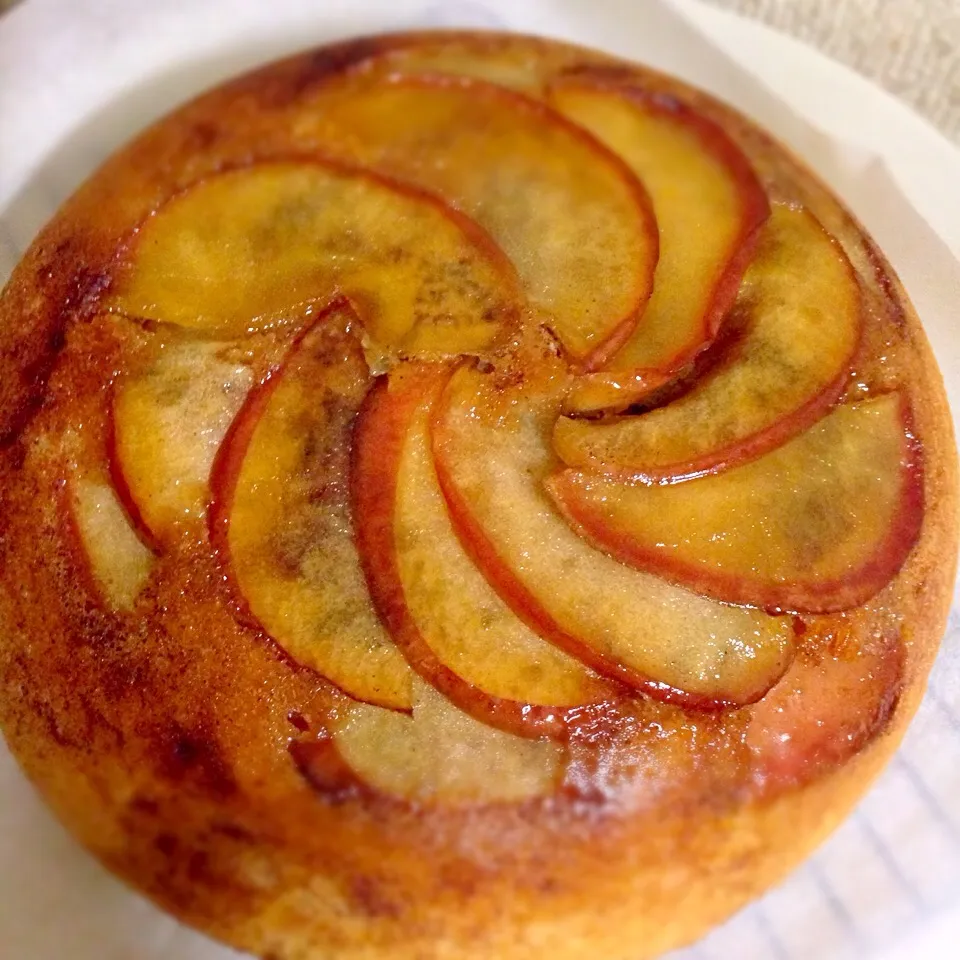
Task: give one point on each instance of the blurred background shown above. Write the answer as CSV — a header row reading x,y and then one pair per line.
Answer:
x,y
909,47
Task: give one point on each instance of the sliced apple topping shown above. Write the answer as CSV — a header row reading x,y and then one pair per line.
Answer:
x,y
452,626
788,531
441,754
268,242
522,571
709,206
492,457
797,329
118,561
568,213
168,422
832,701
281,516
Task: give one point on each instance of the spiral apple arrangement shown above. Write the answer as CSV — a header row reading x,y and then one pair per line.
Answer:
x,y
518,415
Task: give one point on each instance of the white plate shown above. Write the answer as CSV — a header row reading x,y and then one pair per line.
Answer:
x,y
847,105
76,80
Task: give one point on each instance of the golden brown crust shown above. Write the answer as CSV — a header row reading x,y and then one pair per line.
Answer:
x,y
149,732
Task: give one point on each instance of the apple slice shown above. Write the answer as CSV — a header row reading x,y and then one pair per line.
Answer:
x,y
710,207
798,326
492,457
454,630
118,561
265,243
438,755
168,421
569,214
281,522
819,524
836,697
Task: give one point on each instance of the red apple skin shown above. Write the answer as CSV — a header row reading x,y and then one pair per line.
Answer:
x,y
472,230
754,213
837,696
756,445
118,481
755,209
605,350
378,445
749,448
320,764
525,604
621,330
813,597
722,352
469,227
229,459
226,472
775,434
334,781
649,388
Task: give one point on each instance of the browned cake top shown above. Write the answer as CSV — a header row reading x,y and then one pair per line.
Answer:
x,y
458,442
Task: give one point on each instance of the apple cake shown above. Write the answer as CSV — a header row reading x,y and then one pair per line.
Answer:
x,y
463,496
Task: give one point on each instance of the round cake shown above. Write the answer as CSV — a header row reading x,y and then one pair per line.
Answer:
x,y
463,496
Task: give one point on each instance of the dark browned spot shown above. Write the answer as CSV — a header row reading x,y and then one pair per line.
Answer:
x,y
200,869
57,734
145,805
606,73
96,724
328,61
319,66
461,881
33,356
194,756
299,720
233,831
203,135
167,844
882,275
368,896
